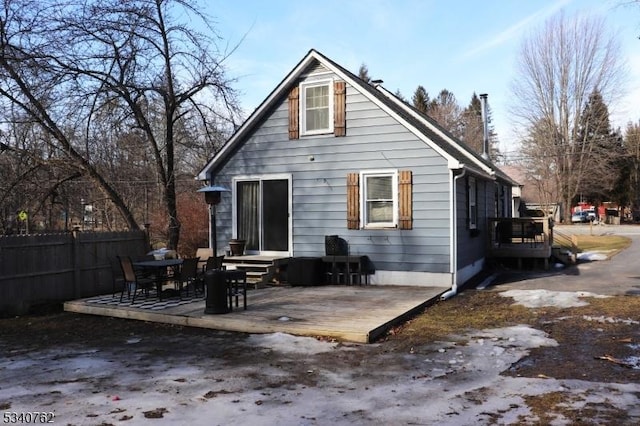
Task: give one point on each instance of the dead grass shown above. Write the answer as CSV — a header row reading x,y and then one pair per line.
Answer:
x,y
560,407
605,326
470,310
605,243
477,310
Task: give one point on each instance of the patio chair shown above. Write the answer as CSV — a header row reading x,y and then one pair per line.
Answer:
x,y
214,262
188,275
132,282
143,273
237,286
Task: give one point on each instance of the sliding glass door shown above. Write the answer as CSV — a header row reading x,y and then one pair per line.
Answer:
x,y
262,214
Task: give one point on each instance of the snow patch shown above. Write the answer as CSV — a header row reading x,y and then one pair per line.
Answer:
x,y
589,256
541,298
286,343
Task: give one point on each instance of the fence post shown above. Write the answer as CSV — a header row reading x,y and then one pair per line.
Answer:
x,y
76,262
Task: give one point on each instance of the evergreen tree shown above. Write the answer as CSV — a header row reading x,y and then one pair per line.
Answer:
x,y
473,133
421,100
632,151
600,151
363,73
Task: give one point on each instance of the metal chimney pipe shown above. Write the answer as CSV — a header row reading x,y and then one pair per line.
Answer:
x,y
485,126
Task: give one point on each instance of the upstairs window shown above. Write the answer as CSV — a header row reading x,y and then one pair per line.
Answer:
x,y
317,107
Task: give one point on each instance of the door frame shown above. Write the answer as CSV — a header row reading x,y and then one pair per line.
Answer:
x,y
234,209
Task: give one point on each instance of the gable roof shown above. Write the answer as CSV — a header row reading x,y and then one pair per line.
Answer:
x,y
424,127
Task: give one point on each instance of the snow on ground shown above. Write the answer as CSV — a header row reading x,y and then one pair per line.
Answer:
x,y
539,298
302,381
589,256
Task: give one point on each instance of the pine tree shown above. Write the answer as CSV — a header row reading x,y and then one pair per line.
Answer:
x,y
473,133
632,151
363,73
598,151
421,100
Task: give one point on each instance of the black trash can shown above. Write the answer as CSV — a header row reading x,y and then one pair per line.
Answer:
x,y
217,301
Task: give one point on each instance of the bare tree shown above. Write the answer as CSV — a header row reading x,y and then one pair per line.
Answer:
x,y
541,174
445,110
70,65
560,65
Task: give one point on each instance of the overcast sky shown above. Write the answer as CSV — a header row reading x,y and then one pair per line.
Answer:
x,y
464,46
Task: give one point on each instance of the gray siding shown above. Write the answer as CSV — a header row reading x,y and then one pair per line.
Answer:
x,y
472,245
374,141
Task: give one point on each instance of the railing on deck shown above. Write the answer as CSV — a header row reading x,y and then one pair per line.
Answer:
x,y
566,241
520,237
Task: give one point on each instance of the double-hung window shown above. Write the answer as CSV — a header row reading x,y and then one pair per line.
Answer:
x,y
379,199
316,107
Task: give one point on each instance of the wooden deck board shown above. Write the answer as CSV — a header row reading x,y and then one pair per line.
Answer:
x,y
353,313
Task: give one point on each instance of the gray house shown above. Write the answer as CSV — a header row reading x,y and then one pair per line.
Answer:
x,y
327,153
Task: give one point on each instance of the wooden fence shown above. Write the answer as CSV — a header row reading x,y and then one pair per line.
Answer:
x,y
46,268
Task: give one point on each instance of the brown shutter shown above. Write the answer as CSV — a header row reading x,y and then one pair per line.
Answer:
x,y
294,127
353,201
339,104
405,184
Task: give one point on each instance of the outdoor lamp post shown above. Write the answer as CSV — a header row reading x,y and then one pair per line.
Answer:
x,y
212,198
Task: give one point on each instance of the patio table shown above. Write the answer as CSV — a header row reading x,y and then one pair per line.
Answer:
x,y
160,269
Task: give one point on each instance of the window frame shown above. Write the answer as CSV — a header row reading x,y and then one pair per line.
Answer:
x,y
364,220
329,83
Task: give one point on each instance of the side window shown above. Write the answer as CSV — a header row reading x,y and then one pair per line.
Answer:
x,y
472,195
316,107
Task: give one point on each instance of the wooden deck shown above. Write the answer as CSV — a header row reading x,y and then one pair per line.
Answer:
x,y
351,313
520,238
